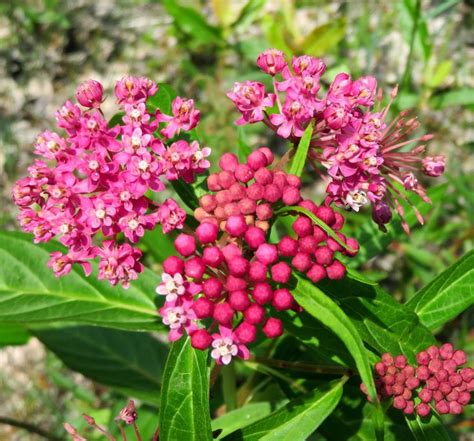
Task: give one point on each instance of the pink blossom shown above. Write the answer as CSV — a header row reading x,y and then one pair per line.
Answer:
x,y
226,346
251,100
171,286
171,216
134,90
68,117
90,93
62,264
271,61
292,119
434,165
185,117
50,145
119,263
179,317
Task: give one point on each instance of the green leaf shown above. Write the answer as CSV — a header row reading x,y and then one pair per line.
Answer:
x,y
324,309
186,193
428,429
184,410
162,99
30,293
131,362
241,417
193,24
243,148
354,416
447,296
296,420
158,244
249,13
323,38
457,97
372,241
116,119
383,323
299,160
11,334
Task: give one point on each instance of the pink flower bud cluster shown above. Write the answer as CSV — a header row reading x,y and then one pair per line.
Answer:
x,y
90,185
128,415
436,381
230,274
363,153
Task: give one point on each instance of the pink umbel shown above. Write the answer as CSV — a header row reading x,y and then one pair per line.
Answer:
x,y
230,275
91,187
370,159
437,378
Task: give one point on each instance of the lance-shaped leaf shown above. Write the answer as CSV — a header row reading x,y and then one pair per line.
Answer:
x,y
446,296
299,160
184,410
132,362
428,429
383,323
30,293
297,420
324,309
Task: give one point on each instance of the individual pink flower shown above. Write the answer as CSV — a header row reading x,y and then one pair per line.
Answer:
x,y
251,100
171,216
179,317
226,346
271,61
128,414
68,117
185,117
50,145
90,94
119,263
292,120
62,264
171,286
134,90
434,165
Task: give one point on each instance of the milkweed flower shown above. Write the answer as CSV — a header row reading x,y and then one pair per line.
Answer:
x,y
229,274
365,154
90,189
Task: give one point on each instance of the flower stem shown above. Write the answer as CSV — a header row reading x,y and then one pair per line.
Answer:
x,y
306,367
229,388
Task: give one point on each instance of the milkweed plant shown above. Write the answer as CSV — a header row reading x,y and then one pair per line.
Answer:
x,y
259,279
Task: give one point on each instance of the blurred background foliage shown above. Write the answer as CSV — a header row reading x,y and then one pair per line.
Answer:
x,y
200,48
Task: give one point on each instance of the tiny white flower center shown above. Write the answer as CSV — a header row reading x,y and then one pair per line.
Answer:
x,y
91,124
133,224
52,146
135,114
143,165
100,213
136,141
93,165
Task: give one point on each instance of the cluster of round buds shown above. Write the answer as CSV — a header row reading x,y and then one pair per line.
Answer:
x,y
91,185
128,415
437,380
230,275
364,154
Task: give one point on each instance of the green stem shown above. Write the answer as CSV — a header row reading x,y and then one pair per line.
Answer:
x,y
29,428
229,388
416,19
306,367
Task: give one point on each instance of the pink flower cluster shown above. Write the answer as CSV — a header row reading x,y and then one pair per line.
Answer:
x,y
438,379
230,273
363,152
90,187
